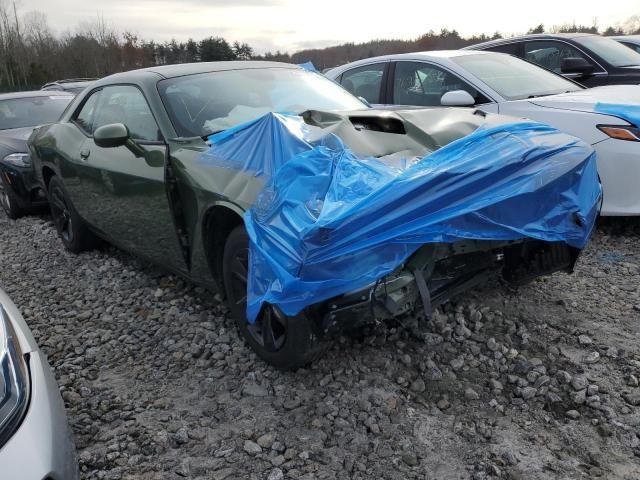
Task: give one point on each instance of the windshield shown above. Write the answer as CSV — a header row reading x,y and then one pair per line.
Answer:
x,y
210,102
611,51
32,111
513,78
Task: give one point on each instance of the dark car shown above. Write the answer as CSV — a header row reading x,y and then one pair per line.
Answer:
x,y
73,85
19,114
136,161
589,59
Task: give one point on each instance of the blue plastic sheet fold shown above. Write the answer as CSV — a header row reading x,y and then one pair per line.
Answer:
x,y
328,222
630,113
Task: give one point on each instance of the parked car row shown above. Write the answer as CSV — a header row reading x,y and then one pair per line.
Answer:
x,y
322,219
505,84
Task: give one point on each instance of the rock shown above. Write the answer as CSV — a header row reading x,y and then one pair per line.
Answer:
x,y
252,448
632,398
266,440
563,377
573,414
276,474
593,357
418,385
492,344
410,459
579,383
471,394
579,397
528,393
584,340
457,363
632,381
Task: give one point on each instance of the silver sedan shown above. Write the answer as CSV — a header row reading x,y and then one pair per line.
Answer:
x,y
35,439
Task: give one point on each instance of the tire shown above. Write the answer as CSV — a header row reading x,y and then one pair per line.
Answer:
x,y
72,230
285,342
9,202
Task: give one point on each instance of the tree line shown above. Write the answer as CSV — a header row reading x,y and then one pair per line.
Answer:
x,y
31,54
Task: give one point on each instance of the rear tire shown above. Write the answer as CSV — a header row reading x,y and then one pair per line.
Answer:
x,y
72,230
8,201
285,342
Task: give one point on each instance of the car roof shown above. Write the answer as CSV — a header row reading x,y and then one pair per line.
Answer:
x,y
634,38
427,55
35,93
183,69
533,36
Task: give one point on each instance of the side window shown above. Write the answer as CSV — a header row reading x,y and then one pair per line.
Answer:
x,y
126,104
422,84
365,81
84,117
549,54
510,48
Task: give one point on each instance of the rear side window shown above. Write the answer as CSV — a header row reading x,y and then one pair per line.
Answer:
x,y
550,53
365,81
510,48
84,117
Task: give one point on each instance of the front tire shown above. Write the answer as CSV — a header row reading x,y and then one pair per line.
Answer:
x,y
285,342
8,201
72,230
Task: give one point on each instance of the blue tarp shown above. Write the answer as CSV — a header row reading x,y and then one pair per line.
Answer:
x,y
308,66
328,222
630,113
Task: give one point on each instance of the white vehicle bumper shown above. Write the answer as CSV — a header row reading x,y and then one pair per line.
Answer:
x,y
42,446
619,169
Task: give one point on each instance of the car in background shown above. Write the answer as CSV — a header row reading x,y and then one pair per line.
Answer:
x,y
35,439
19,114
631,41
130,162
73,85
500,83
590,59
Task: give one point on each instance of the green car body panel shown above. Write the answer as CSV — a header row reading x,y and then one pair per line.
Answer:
x,y
158,206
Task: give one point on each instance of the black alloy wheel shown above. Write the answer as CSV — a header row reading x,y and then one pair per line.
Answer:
x,y
286,342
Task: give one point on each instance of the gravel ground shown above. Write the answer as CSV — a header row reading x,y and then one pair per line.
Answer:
x,y
536,383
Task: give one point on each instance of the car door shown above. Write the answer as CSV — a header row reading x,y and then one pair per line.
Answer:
x,y
550,53
124,196
366,81
423,84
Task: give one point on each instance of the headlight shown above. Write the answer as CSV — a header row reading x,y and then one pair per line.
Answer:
x,y
18,159
620,132
14,380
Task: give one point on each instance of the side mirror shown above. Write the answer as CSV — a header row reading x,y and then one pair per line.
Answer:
x,y
111,136
457,98
576,65
117,135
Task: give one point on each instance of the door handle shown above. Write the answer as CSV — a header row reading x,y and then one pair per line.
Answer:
x,y
84,154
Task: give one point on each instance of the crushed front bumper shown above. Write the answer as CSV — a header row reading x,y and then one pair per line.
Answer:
x,y
438,272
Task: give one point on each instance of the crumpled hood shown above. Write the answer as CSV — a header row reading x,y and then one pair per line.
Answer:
x,y
588,99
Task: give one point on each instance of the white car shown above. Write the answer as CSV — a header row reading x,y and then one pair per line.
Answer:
x,y
35,440
501,83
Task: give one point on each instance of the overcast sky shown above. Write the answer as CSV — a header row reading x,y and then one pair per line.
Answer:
x,y
291,25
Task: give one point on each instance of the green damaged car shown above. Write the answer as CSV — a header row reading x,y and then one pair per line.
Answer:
x,y
184,166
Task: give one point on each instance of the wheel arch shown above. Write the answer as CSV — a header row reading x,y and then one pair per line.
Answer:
x,y
217,223
47,174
